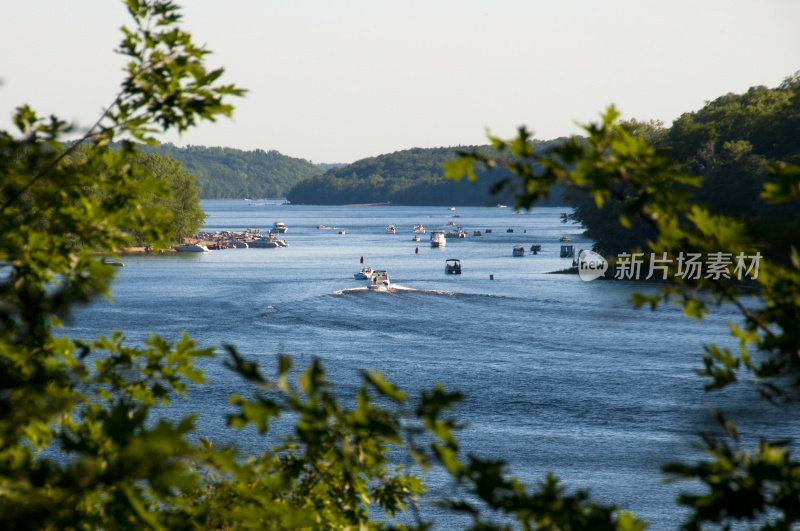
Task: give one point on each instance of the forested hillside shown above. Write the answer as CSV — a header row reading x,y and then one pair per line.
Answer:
x,y
409,177
228,173
731,142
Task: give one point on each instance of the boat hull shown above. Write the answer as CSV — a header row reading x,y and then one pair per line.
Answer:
x,y
192,248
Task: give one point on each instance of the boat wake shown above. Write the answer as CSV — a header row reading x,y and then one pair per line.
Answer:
x,y
394,289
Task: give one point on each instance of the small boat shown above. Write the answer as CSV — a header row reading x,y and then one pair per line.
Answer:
x,y
263,243
477,233
191,248
279,227
452,208
509,229
451,223
438,239
113,262
456,234
390,229
519,250
535,248
501,205
488,231
379,280
415,238
419,229
267,243
564,238
364,274
452,266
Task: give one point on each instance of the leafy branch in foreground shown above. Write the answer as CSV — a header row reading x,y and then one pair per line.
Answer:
x,y
337,463
78,446
612,162
83,445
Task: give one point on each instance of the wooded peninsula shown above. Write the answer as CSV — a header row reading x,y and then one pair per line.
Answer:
x,y
731,142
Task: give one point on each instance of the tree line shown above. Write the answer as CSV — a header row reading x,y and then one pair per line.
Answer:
x,y
84,446
229,173
408,177
735,143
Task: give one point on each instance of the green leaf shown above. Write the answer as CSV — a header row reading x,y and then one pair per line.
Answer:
x,y
385,388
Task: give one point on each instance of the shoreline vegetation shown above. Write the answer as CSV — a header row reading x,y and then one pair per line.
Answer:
x,y
88,442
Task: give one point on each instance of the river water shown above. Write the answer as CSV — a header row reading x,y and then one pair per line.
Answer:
x,y
559,374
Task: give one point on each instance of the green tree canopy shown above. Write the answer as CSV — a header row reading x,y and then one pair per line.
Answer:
x,y
181,198
82,447
759,486
734,143
229,173
409,177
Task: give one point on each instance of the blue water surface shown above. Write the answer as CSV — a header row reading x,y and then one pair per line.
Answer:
x,y
559,374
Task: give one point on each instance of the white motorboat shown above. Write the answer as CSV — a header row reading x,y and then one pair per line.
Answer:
x,y
279,227
364,274
379,280
267,243
438,239
419,229
263,243
191,248
390,229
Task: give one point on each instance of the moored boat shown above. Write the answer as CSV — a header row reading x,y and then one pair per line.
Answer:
x,y
263,243
438,239
279,227
191,248
390,229
269,242
519,250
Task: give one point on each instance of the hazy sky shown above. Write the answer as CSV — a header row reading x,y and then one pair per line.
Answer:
x,y
339,81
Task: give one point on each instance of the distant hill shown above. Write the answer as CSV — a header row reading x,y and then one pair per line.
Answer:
x,y
328,166
409,177
228,173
